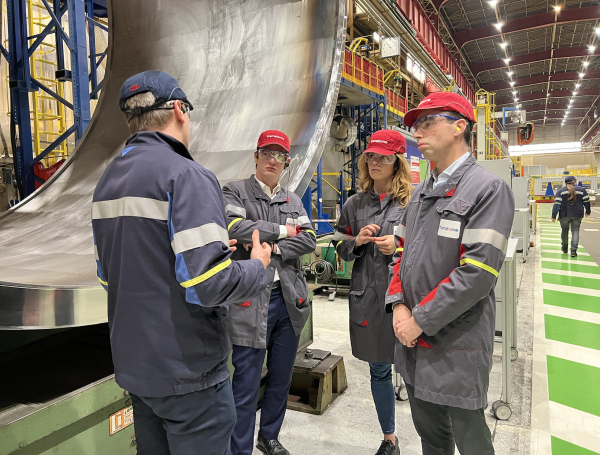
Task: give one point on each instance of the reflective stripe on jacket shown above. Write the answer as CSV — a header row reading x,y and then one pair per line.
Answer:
x,y
163,255
249,208
456,237
563,208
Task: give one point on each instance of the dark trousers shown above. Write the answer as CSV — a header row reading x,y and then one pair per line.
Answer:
x,y
282,344
382,389
197,423
574,224
440,427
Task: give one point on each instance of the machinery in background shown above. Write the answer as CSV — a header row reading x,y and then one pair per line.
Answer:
x,y
525,133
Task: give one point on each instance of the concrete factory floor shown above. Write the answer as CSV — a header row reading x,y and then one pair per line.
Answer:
x,y
558,364
350,425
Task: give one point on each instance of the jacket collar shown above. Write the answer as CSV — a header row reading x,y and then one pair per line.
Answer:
x,y
260,194
158,138
447,189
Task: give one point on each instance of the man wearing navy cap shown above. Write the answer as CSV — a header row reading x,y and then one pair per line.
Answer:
x,y
457,225
272,321
164,256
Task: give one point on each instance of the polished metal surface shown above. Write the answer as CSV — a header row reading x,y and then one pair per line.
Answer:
x,y
247,66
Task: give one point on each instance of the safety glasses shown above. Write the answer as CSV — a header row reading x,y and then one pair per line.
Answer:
x,y
267,154
425,123
377,158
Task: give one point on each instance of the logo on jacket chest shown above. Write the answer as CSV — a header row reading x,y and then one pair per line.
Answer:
x,y
449,228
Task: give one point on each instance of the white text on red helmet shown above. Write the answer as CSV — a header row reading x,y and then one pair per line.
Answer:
x,y
379,140
278,137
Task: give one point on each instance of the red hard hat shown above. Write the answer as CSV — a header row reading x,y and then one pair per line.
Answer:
x,y
445,101
386,142
271,137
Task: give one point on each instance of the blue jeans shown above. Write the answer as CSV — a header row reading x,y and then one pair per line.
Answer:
x,y
282,345
197,423
382,388
574,223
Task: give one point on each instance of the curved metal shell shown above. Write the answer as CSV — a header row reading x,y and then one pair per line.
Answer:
x,y
247,66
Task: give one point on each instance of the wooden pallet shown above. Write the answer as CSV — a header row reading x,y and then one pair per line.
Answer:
x,y
312,391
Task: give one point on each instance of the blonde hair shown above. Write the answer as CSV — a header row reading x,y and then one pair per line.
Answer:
x,y
147,121
401,186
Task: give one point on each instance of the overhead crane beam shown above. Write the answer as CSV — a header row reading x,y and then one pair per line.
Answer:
x,y
527,23
533,57
542,78
542,95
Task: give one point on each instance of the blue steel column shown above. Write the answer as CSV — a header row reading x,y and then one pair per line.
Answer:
x,y
20,86
92,41
79,66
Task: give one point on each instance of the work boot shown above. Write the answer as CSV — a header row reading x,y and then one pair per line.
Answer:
x,y
573,253
270,446
564,250
388,448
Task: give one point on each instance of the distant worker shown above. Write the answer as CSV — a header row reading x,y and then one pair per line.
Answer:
x,y
365,235
164,257
457,225
569,205
272,322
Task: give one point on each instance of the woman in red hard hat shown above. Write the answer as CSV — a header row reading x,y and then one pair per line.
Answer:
x,y
365,235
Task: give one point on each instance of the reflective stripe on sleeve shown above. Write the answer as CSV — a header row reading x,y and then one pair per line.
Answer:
x,y
207,275
233,222
481,265
241,211
579,192
337,236
558,199
303,220
104,283
399,249
140,207
400,231
198,237
488,236
312,232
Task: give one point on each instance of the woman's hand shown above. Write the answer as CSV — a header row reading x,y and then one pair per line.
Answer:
x,y
366,234
386,244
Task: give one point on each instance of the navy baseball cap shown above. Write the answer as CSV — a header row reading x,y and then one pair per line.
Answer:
x,y
162,85
570,178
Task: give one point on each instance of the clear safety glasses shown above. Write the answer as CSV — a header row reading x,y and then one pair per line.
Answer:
x,y
377,158
425,123
267,154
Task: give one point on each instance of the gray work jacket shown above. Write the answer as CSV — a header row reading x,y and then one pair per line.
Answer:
x,y
249,208
454,247
371,332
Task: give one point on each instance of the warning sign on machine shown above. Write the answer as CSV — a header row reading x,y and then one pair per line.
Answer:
x,y
120,419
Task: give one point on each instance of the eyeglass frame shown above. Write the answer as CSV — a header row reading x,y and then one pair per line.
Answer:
x,y
414,128
379,157
285,155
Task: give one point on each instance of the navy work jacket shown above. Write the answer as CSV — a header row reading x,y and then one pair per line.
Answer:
x,y
163,256
563,207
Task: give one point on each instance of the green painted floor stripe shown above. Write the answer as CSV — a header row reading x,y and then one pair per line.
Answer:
x,y
572,301
580,333
560,447
556,247
585,283
570,384
566,257
571,267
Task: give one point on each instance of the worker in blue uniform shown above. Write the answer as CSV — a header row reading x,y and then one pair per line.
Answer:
x,y
164,256
569,204
272,321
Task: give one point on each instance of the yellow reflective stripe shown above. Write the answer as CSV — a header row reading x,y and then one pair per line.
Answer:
x,y
207,275
481,265
312,232
103,282
399,249
233,222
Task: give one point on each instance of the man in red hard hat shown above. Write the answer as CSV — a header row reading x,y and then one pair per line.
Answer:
x,y
457,226
272,321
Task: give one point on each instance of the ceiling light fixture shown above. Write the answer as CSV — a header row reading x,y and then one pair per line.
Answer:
x,y
591,48
498,25
577,85
548,94
507,61
581,75
598,30
493,3
503,45
509,73
585,64
574,93
557,8
514,92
